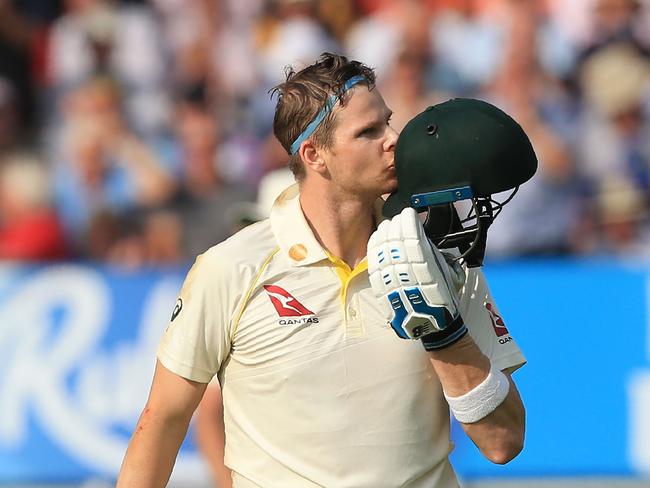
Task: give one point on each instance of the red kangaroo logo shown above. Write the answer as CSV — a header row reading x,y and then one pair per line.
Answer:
x,y
285,303
497,322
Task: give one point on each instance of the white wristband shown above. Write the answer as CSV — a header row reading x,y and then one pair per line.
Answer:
x,y
482,400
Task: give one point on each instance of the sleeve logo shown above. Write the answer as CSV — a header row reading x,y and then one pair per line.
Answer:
x,y
285,303
177,308
497,322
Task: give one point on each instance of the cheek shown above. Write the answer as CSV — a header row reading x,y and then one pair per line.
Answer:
x,y
361,166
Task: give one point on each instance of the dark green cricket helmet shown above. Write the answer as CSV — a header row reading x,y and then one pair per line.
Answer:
x,y
459,149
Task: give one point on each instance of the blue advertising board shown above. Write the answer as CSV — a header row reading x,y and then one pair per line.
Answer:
x,y
77,348
584,330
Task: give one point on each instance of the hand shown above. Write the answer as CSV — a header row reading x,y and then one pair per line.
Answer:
x,y
411,280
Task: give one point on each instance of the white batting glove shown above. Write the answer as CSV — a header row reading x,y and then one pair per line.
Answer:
x,y
411,280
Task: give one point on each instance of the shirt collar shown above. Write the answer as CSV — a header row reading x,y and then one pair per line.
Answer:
x,y
293,233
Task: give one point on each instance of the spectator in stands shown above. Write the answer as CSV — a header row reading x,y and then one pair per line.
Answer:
x,y
337,16
123,41
467,41
621,221
390,29
406,89
290,33
247,212
104,165
613,144
203,198
115,181
615,22
29,228
614,140
10,134
543,218
16,63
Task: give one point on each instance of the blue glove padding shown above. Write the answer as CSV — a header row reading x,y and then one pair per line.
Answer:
x,y
411,280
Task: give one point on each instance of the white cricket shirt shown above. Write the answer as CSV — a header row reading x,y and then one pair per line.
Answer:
x,y
317,388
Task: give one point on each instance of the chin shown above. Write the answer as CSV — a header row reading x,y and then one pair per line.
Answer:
x,y
391,186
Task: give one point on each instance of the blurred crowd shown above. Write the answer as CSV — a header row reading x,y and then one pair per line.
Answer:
x,y
139,132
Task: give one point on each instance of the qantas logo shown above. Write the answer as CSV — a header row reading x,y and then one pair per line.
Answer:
x,y
497,322
285,303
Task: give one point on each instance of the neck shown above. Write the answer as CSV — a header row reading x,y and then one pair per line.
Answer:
x,y
341,224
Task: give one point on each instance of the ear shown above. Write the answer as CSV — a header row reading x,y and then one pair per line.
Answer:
x,y
312,157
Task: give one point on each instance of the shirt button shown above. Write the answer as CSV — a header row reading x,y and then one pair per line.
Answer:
x,y
353,312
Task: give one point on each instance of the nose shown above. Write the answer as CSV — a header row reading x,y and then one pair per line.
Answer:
x,y
391,139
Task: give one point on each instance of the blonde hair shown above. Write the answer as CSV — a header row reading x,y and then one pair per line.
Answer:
x,y
305,93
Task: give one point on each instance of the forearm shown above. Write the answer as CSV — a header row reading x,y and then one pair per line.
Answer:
x,y
152,451
500,435
460,368
160,430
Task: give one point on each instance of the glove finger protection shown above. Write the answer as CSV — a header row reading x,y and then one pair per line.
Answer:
x,y
413,283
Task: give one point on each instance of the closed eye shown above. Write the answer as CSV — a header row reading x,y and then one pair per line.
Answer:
x,y
369,131
375,129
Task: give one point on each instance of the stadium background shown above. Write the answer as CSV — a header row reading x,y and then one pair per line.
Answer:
x,y
135,134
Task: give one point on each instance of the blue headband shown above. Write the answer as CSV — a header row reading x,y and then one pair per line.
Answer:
x,y
329,105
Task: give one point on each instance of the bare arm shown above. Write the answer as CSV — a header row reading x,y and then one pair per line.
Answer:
x,y
210,436
160,430
461,367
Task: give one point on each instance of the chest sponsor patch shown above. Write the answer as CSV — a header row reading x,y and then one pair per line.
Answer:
x,y
285,303
497,322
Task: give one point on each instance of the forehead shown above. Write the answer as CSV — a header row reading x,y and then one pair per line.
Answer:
x,y
362,107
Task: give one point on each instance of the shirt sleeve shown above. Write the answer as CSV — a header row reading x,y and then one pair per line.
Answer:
x,y
197,339
485,324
